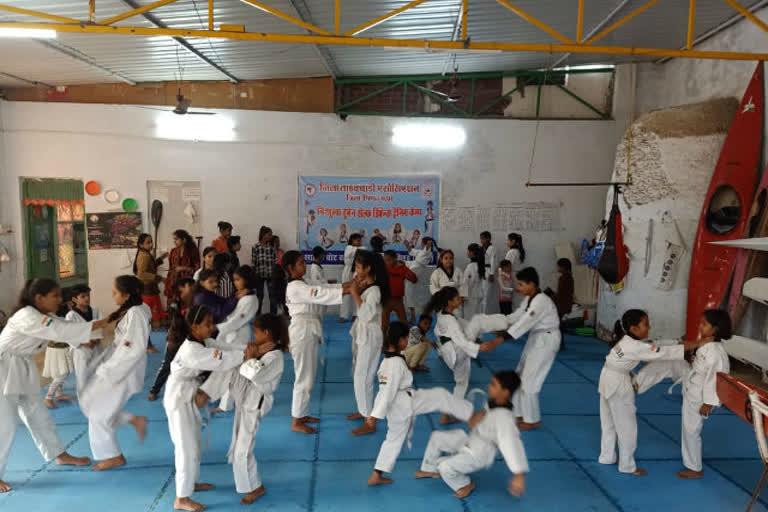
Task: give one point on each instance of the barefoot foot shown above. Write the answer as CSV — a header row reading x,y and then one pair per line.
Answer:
x,y
425,474
49,403
376,478
447,419
363,430
253,496
153,350
528,426
65,398
66,459
639,472
110,463
203,487
690,474
465,491
217,410
298,426
4,487
152,397
309,419
140,424
187,504
355,416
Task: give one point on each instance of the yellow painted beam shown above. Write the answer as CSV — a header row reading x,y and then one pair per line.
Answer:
x,y
381,19
580,21
744,12
415,44
37,14
464,12
622,21
337,17
210,14
135,12
92,11
286,17
533,21
691,24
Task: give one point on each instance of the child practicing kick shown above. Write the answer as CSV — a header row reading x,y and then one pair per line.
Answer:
x,y
507,287
306,333
235,330
369,288
119,377
493,429
457,349
399,403
58,360
184,420
475,278
253,388
417,294
537,315
617,396
348,304
418,345
176,312
83,355
23,337
700,387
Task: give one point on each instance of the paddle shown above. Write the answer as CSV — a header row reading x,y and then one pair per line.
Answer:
x,y
156,213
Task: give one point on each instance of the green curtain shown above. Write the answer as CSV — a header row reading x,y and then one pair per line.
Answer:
x,y
51,189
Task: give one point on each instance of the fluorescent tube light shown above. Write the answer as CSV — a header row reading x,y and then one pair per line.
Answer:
x,y
35,33
428,135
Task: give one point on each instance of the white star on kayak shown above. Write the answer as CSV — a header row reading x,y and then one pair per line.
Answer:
x,y
749,107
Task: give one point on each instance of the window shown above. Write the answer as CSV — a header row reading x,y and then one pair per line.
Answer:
x,y
70,220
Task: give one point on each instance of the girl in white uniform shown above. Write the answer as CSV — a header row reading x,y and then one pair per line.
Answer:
x,y
304,302
446,274
84,355
119,377
399,403
417,294
491,265
316,270
538,317
700,387
617,396
25,335
348,304
184,421
369,289
476,279
235,331
254,386
492,430
516,256
455,347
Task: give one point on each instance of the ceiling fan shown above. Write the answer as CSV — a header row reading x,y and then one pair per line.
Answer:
x,y
452,95
182,107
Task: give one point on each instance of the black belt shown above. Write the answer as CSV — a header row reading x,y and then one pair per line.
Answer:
x,y
261,402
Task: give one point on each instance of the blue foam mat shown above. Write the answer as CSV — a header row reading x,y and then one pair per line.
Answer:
x,y
328,472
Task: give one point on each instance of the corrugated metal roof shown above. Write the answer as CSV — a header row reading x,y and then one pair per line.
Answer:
x,y
161,58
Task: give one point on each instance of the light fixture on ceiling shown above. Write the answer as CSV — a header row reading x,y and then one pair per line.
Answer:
x,y
428,135
220,128
31,33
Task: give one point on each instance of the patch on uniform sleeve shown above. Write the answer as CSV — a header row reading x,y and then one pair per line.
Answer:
x,y
217,354
127,343
533,313
47,321
654,348
313,292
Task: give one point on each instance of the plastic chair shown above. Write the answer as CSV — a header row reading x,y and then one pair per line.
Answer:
x,y
759,409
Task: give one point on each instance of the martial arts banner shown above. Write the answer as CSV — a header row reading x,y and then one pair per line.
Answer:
x,y
400,210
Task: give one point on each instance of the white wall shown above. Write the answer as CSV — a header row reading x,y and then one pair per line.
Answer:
x,y
253,180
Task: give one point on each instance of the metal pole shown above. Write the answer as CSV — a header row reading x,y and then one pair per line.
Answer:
x,y
576,184
691,23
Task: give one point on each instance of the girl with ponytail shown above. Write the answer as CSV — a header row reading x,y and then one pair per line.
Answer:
x,y
120,376
476,281
195,356
454,346
368,289
537,315
616,387
446,274
26,334
305,305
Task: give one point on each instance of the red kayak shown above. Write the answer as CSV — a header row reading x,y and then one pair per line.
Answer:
x,y
734,395
726,206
